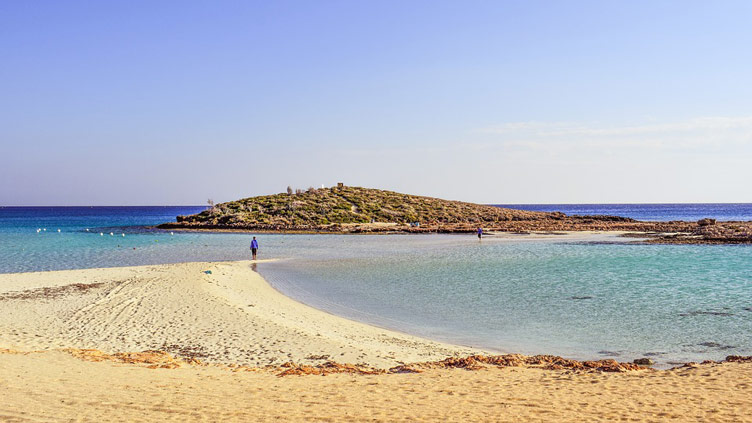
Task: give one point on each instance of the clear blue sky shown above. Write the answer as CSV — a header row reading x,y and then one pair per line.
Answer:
x,y
146,103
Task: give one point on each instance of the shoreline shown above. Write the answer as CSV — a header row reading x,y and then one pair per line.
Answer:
x,y
209,316
171,342
82,292
678,233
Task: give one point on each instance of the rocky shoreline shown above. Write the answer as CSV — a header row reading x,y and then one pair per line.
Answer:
x,y
705,231
708,231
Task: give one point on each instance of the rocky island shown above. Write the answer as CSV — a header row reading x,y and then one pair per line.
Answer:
x,y
345,209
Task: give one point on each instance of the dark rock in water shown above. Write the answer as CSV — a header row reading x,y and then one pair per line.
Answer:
x,y
706,222
644,361
716,345
594,243
603,218
581,298
739,359
653,354
709,313
611,353
727,347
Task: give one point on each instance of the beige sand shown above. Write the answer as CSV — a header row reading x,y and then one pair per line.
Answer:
x,y
233,316
229,316
53,386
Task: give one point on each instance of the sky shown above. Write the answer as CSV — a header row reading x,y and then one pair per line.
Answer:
x,y
504,102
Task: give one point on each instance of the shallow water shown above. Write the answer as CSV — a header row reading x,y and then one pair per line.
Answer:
x,y
557,296
577,299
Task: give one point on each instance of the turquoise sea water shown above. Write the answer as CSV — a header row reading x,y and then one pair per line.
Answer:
x,y
578,299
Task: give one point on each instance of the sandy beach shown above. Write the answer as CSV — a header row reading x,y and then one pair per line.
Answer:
x,y
226,332
217,312
54,386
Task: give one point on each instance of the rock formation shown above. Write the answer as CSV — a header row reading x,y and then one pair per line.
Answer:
x,y
346,209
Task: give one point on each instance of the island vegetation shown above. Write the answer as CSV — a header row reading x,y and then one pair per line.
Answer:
x,y
346,209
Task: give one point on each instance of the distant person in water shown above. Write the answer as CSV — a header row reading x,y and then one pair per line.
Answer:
x,y
254,248
480,233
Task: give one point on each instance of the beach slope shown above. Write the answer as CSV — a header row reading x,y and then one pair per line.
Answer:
x,y
216,312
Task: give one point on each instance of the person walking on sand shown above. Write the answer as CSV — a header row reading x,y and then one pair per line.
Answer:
x,y
480,233
254,248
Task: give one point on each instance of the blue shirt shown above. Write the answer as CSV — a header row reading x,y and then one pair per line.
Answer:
x,y
254,244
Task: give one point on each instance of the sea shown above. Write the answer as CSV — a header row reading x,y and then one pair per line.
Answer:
x,y
585,298
649,212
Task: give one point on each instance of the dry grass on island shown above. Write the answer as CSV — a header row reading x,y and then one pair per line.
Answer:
x,y
348,209
174,343
345,209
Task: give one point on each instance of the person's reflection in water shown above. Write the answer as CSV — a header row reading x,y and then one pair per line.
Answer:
x,y
253,267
